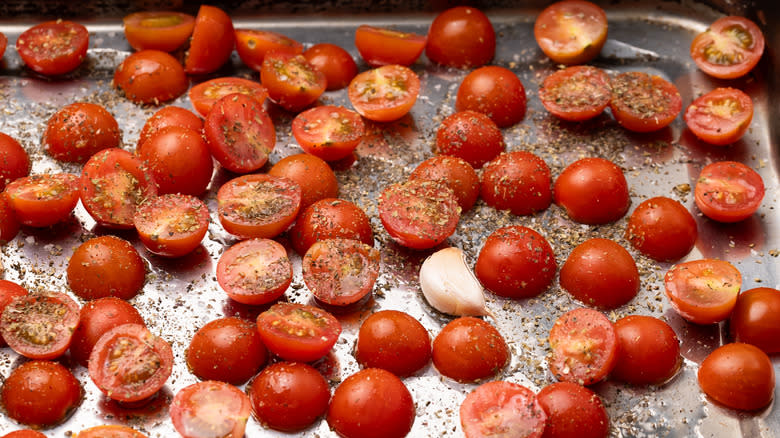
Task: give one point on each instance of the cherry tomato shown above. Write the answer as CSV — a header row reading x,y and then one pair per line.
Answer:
x,y
593,191
110,431
327,219
312,174
469,349
419,214
571,31
53,47
158,30
516,262
212,41
648,351
172,225
254,271
288,396
210,408
40,393
729,48
298,332
739,376
14,161
502,409
228,350
8,292
600,273
151,76
258,205
494,91
339,271
178,159
576,93
662,229
754,319
471,136
461,37
96,318
584,346
372,402
106,266
205,94
239,133
328,132
80,130
393,341
384,94
40,326
170,116
703,291
334,62
720,117
379,46
253,45
454,172
644,103
517,181
291,81
3,43
728,191
43,200
24,433
9,223
573,411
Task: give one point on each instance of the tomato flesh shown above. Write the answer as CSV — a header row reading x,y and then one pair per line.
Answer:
x,y
644,103
339,271
172,225
720,117
384,94
298,332
40,326
576,93
210,408
584,346
205,94
255,271
380,46
729,48
43,200
53,47
328,132
571,31
502,410
728,191
703,291
158,30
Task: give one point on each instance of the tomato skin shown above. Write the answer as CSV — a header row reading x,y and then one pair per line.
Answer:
x,y
571,31
703,291
471,136
172,225
372,402
40,393
729,48
461,37
212,41
110,431
96,318
255,271
518,181
298,332
393,341
53,47
40,326
728,191
330,218
380,46
576,93
158,30
205,94
228,350
14,161
739,376
313,175
720,117
584,346
754,319
456,173
3,43
151,76
291,81
573,411
24,433
502,410
169,116
78,131
593,191
340,272
384,94
178,159
8,292
334,62
328,132
252,46
644,103
469,349
648,351
43,200
494,91
9,223
106,266
662,229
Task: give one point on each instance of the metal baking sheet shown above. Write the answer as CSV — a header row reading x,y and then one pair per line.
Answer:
x,y
182,295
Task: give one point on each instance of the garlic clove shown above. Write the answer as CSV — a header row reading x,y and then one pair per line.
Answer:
x,y
450,286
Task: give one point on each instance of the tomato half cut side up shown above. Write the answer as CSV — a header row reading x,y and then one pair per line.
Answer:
x,y
644,103
205,94
110,431
571,31
576,93
340,272
43,200
254,271
212,41
495,408
729,48
720,117
384,94
158,30
584,347
728,191
40,326
298,332
9,291
97,317
172,225
252,46
210,408
380,46
703,291
291,81
53,47
328,132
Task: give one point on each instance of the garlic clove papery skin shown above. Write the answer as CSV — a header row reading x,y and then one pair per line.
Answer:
x,y
450,286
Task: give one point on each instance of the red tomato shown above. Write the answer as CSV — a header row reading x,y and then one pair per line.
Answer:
x,y
729,48
393,341
571,31
253,45
739,376
178,159
25,433
158,30
113,183
288,396
327,219
129,363
226,349
728,191
205,94
210,408
291,81
469,349
516,262
461,37
9,224
419,214
576,93
170,116
593,191
14,161
502,409
106,266
384,94
584,347
648,351
172,225
43,200
40,393
258,205
53,47
8,292
97,317
40,326
644,103
573,411
471,136
754,319
372,402
380,46
600,273
454,172
239,133
334,62
662,229
314,175
80,130
151,77
328,132
703,291
494,91
339,271
298,332
211,43
720,117
110,431
3,43
518,181
254,271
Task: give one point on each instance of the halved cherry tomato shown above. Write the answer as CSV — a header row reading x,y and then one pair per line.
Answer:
x,y
178,159
471,136
721,116
129,363
291,81
703,291
518,181
314,175
298,332
110,431
573,411
592,191
9,224
158,30
24,433
80,130
380,46
584,346
210,408
53,47
43,200
576,93
469,349
205,94
258,205
96,318
8,292
255,271
151,76
384,94
252,46
14,161
40,326
648,351
340,271
571,31
170,116
327,219
334,62
461,37
728,191
239,133
456,173
3,43
106,266
729,48
662,229
502,409
172,225
739,376
226,349
644,103
754,319
212,41
494,91
393,341
328,132
40,393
